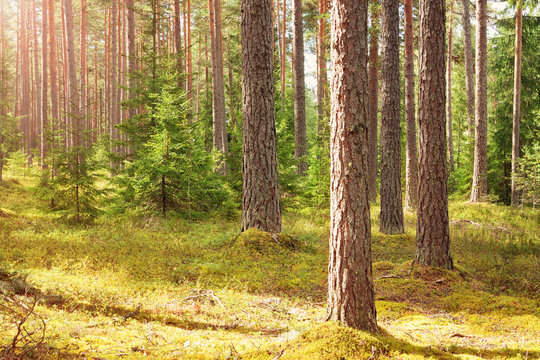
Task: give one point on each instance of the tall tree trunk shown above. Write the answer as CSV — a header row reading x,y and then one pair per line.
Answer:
x,y
36,121
220,142
432,231
188,56
449,91
199,80
73,95
44,85
391,202
479,185
322,80
231,97
113,114
517,105
300,142
283,52
373,112
132,57
411,187
260,199
469,67
177,43
351,299
84,69
52,63
3,84
25,77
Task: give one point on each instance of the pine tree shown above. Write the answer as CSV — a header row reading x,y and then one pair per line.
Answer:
x,y
351,298
260,200
300,141
479,185
391,202
411,172
432,230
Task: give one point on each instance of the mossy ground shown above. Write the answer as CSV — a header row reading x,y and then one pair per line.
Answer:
x,y
140,286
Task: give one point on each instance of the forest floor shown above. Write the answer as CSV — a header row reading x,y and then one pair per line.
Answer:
x,y
135,286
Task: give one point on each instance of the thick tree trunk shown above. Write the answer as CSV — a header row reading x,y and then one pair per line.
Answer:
x,y
517,105
260,201
220,142
411,170
300,145
351,298
373,111
432,231
449,91
469,67
479,185
391,202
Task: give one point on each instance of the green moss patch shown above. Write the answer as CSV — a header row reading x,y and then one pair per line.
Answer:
x,y
330,340
264,242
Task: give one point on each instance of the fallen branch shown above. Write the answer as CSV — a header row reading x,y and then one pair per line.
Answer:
x,y
390,276
204,294
477,224
458,335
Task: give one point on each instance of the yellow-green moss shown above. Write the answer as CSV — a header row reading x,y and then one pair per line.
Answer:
x,y
262,241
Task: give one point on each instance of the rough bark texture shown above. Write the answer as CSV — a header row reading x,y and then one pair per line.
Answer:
x,y
517,105
373,100
449,92
411,170
218,90
300,146
350,281
479,185
391,202
432,231
260,198
469,67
